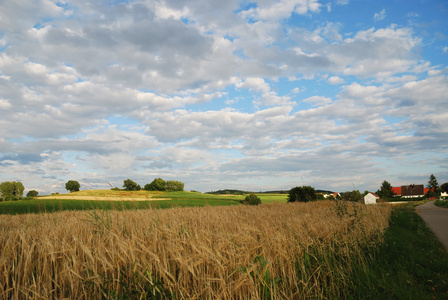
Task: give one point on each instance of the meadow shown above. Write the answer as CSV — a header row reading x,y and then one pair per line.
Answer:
x,y
271,251
123,200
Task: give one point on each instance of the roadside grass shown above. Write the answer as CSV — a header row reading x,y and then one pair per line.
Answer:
x,y
55,205
442,203
411,263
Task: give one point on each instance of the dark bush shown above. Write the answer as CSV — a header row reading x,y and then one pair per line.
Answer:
x,y
302,194
32,193
252,199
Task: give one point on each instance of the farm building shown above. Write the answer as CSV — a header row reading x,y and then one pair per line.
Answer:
x,y
371,198
410,191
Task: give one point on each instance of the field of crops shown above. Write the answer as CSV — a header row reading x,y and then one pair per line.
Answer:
x,y
272,251
123,200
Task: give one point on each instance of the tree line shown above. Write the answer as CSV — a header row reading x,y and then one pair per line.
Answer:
x,y
13,190
157,184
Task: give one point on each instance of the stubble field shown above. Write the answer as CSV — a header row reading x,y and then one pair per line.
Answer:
x,y
272,251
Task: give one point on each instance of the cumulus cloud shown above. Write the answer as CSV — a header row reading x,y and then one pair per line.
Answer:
x,y
335,80
210,92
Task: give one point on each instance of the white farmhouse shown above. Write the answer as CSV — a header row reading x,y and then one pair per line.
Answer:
x,y
371,198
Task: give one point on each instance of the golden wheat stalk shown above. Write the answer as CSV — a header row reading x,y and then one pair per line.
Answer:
x,y
272,251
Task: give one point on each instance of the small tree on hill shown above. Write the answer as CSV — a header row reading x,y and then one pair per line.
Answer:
x,y
252,199
302,194
130,185
172,185
32,193
433,186
157,184
72,186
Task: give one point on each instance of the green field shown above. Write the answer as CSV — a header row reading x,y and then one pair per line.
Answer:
x,y
121,200
179,199
265,198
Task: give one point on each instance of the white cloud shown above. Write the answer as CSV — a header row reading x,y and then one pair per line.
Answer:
x,y
318,100
257,84
144,88
335,80
379,16
4,104
282,9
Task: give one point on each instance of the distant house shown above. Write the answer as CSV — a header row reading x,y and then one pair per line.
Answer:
x,y
371,198
410,191
333,194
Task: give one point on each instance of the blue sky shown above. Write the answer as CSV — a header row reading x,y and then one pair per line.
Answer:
x,y
252,95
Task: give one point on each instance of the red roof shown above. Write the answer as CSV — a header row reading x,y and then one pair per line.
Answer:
x,y
397,190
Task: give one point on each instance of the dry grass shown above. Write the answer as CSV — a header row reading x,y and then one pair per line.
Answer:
x,y
272,251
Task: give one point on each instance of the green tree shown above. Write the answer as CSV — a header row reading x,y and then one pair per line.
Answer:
x,y
7,189
172,185
444,187
302,194
130,185
157,184
354,196
252,199
18,189
385,191
11,190
32,193
433,186
72,186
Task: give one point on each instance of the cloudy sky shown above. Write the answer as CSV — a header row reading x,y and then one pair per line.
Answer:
x,y
253,95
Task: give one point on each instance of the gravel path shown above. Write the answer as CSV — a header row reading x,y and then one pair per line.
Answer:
x,y
437,219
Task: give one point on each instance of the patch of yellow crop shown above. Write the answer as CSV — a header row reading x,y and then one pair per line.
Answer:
x,y
273,251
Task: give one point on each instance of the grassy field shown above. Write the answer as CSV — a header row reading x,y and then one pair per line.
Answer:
x,y
271,251
55,205
121,200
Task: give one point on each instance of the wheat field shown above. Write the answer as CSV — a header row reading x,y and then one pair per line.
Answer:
x,y
271,251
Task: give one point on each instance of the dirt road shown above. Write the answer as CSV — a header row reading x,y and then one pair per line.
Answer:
x,y
437,219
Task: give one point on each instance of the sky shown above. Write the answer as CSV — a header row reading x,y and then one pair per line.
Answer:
x,y
251,95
